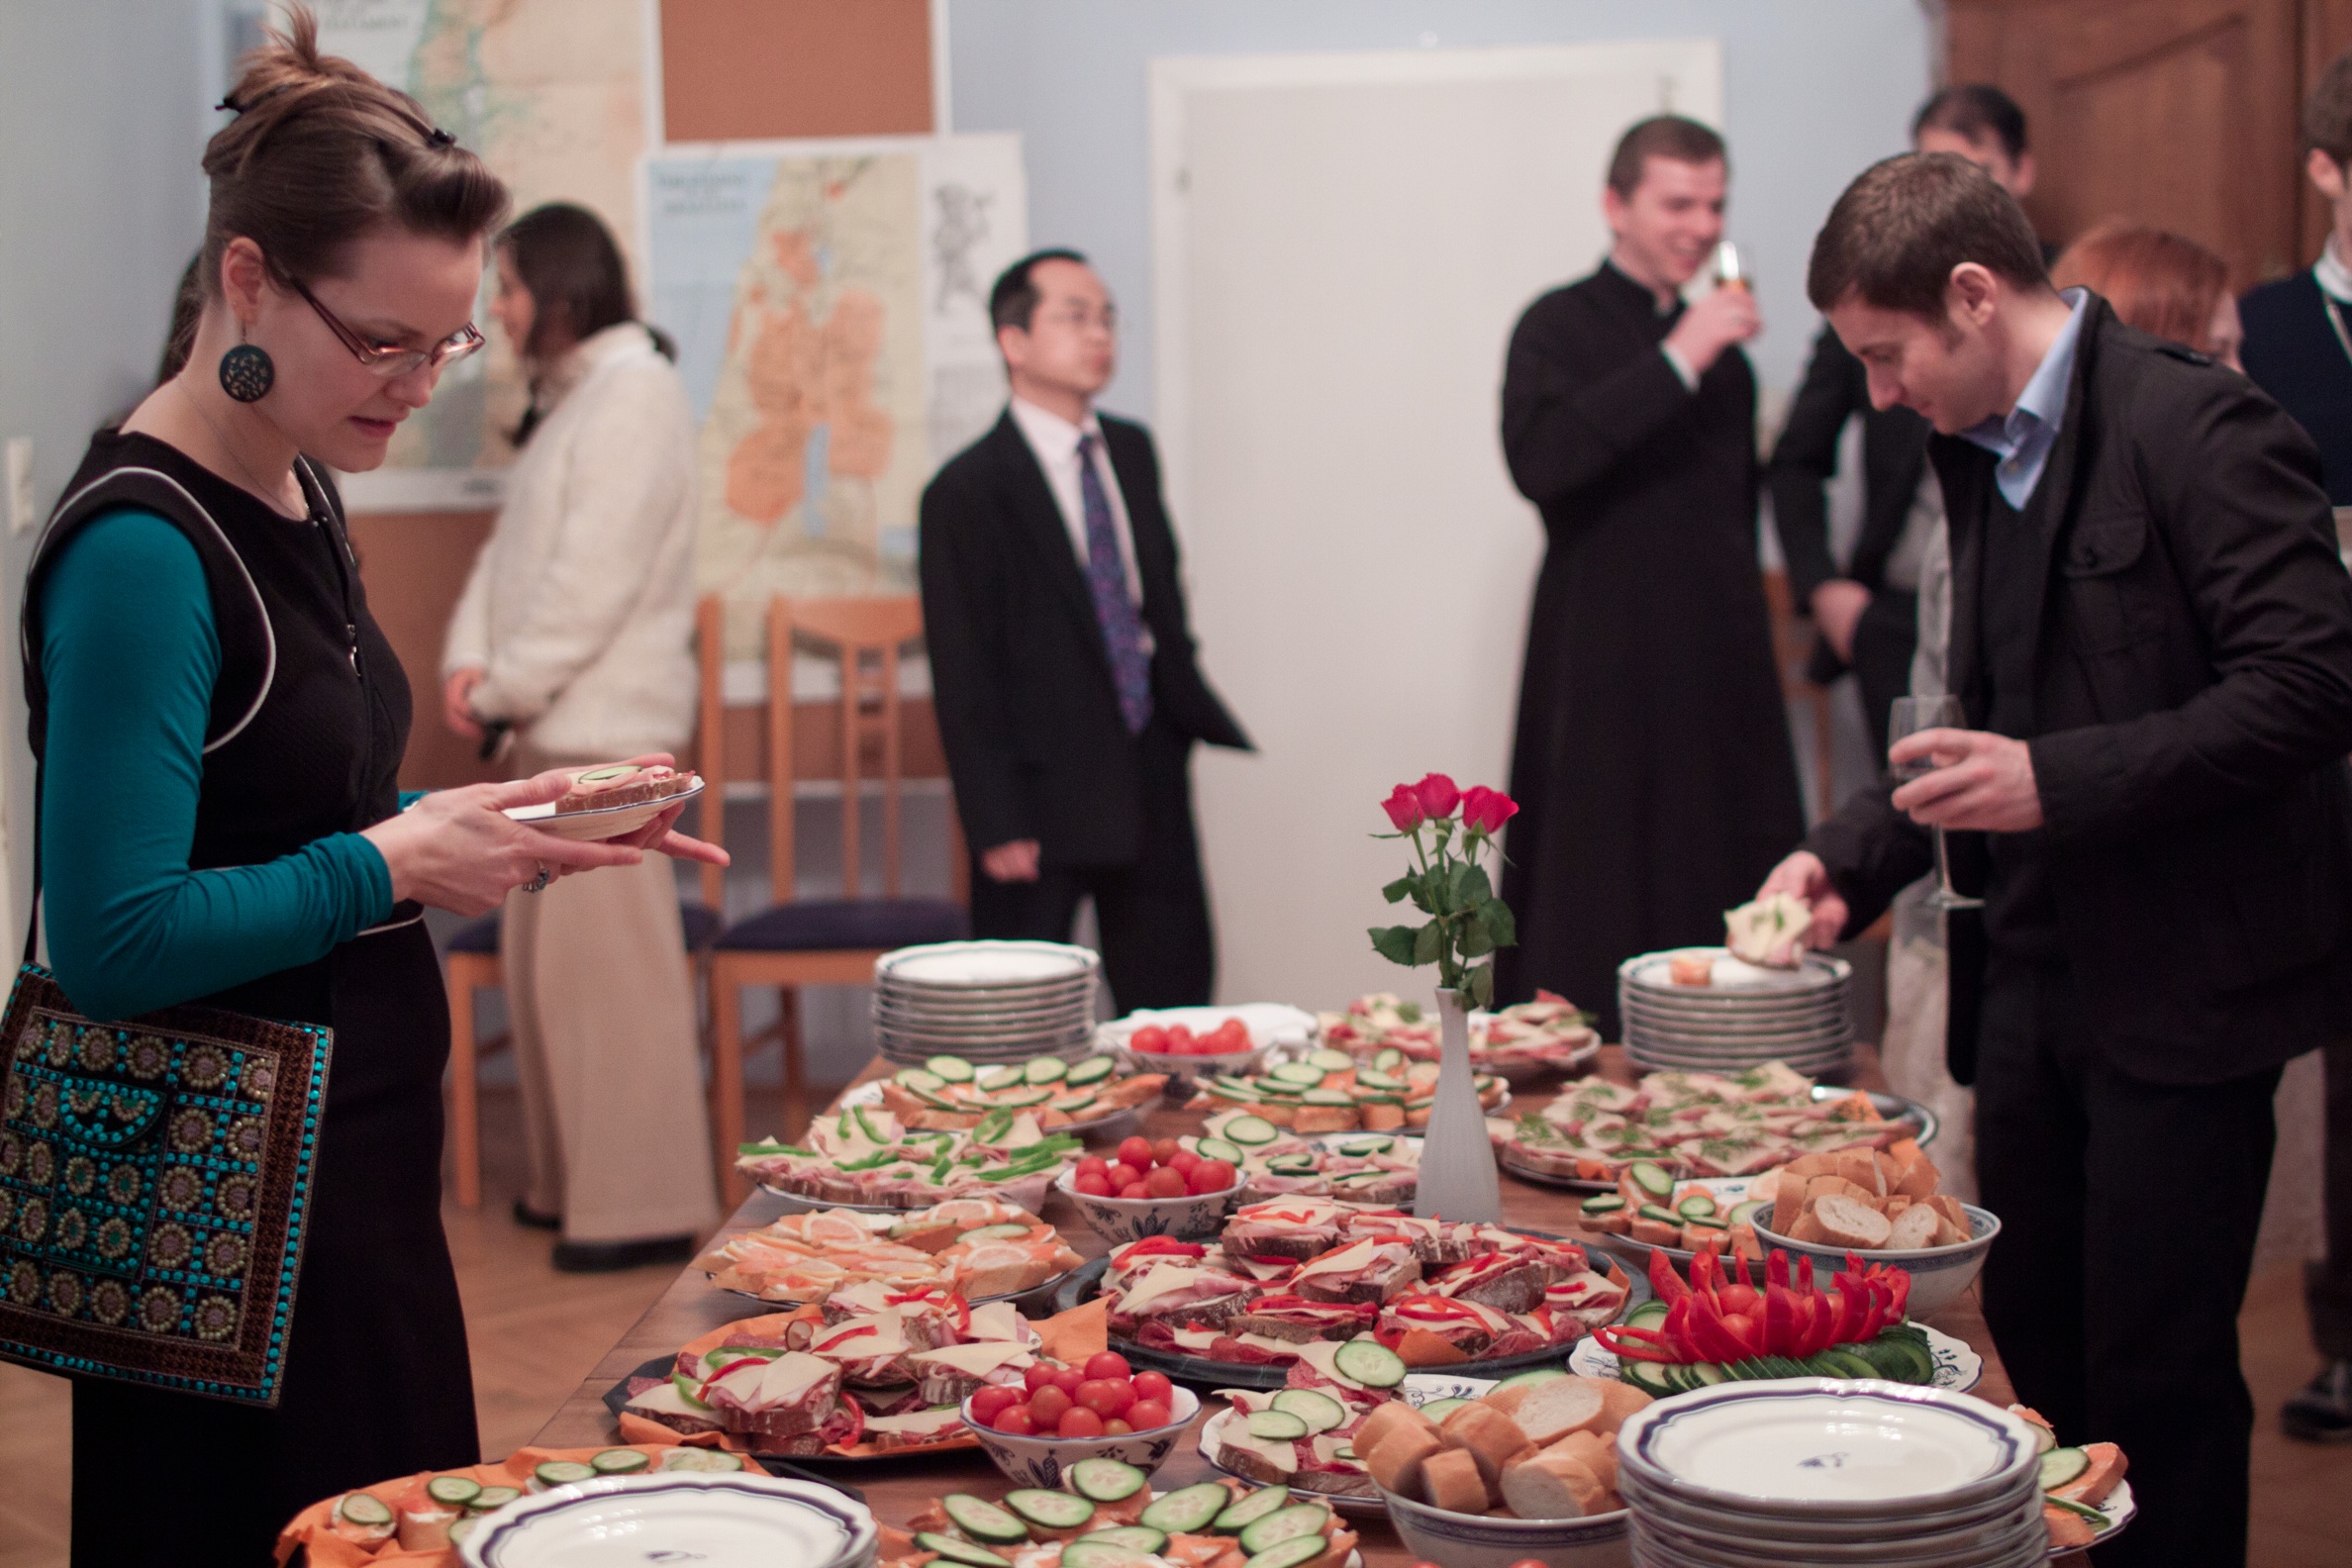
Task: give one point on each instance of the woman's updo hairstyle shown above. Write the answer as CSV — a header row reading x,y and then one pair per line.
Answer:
x,y
321,155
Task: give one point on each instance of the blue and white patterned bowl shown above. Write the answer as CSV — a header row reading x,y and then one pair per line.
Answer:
x,y
1122,1219
1044,1461
1476,1541
1938,1275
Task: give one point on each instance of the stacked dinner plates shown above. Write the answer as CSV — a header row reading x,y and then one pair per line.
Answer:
x,y
985,1001
734,1519
1815,1471
1743,1015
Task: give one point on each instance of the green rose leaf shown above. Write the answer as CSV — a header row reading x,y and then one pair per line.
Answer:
x,y
1472,937
1396,944
1474,888
1397,890
1427,944
1481,985
1501,924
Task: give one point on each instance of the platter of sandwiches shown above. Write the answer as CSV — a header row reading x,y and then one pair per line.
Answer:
x,y
952,1093
1547,1033
1104,1519
1330,1091
866,1159
1379,1170
1359,1296
1698,1125
979,1248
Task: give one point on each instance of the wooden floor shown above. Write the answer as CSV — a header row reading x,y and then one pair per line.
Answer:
x,y
536,1333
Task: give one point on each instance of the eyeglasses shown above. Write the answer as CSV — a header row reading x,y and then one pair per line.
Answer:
x,y
386,361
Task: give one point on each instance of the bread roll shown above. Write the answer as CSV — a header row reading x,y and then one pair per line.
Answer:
x,y
1552,1486
1845,1222
1451,1479
1385,1418
1860,1168
1592,1451
1556,1407
1399,1458
1619,1400
1487,1434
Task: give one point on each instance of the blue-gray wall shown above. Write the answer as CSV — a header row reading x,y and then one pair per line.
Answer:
x,y
1813,91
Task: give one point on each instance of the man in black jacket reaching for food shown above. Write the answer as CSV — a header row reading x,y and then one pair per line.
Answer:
x,y
2152,640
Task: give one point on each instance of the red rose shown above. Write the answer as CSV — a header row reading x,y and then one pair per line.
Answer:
x,y
1437,795
1487,810
1404,807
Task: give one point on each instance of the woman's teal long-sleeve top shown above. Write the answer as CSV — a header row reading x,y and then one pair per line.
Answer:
x,y
129,653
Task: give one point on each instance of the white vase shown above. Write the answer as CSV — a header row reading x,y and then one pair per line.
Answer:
x,y
1457,1164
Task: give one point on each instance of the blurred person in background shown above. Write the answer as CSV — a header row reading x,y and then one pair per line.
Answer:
x,y
576,629
2159,282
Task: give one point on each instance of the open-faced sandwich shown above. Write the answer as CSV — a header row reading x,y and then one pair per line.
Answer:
x,y
1377,1169
867,1156
1107,1516
1547,1031
1330,1091
623,784
948,1092
976,1247
2077,1484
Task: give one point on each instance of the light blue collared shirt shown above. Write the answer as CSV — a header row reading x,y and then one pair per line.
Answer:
x,y
2022,439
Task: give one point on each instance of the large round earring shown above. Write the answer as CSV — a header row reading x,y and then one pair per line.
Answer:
x,y
246,372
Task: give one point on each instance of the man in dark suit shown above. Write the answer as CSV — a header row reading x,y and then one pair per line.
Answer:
x,y
1867,615
2152,639
1067,692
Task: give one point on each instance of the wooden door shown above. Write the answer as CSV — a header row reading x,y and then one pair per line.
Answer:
x,y
2177,113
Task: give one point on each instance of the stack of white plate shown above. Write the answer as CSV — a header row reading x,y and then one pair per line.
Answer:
x,y
985,1001
1815,1471
1744,1015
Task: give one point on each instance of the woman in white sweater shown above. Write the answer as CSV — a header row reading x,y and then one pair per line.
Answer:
x,y
575,629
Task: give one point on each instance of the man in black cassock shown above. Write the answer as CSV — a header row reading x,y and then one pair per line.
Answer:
x,y
1652,767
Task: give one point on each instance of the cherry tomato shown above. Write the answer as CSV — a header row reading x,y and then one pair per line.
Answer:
x,y
1106,1364
1155,1385
1232,1036
1165,1182
1144,1415
1079,1422
1038,1376
1524,1563
1183,1161
1180,1039
1092,1183
1739,1299
1164,1151
1122,1175
1095,1163
1015,1419
990,1398
1740,1327
1150,1038
1047,1405
1067,1379
1116,1427
1210,1176
1106,1397
1134,1190
1136,1152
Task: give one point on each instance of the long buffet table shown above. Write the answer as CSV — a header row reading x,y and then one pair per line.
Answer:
x,y
896,1489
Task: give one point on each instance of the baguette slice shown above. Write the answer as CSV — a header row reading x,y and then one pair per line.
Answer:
x,y
1552,1486
1808,1166
1916,1227
1490,1437
1619,1400
1847,1222
1388,1416
1860,1168
1451,1479
1920,1178
1399,1459
1807,1228
1788,1203
1556,1407
1596,1452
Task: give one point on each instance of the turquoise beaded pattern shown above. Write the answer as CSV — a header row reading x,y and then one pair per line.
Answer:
x,y
155,1180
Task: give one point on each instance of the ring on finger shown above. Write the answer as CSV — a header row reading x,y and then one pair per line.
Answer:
x,y
538,883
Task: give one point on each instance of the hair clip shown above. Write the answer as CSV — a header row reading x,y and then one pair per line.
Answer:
x,y
441,138
231,104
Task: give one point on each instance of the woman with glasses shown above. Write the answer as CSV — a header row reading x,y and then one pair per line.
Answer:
x,y
219,725
576,630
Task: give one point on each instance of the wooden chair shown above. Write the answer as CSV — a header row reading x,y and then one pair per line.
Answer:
x,y
1791,646
797,941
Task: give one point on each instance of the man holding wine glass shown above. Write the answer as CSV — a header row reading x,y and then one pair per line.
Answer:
x,y
2141,770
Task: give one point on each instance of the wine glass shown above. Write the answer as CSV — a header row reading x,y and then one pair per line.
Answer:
x,y
1910,716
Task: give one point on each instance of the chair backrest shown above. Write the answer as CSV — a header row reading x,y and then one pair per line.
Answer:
x,y
870,733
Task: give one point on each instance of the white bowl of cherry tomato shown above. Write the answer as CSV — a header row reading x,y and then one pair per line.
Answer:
x,y
1058,1418
1151,1189
1203,1041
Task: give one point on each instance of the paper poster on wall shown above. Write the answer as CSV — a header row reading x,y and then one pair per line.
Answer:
x,y
552,95
829,301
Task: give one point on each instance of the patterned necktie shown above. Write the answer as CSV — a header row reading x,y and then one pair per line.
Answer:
x,y
1106,579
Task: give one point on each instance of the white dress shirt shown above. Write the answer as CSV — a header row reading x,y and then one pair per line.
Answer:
x,y
1055,440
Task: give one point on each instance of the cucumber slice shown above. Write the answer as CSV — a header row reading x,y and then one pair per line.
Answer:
x,y
1662,1215
2061,1465
952,1069
1438,1410
1188,1511
1135,1538
1647,1376
1374,1078
1705,1223
1370,1363
364,1509
1648,1315
1320,1412
1539,1375
960,1551
997,1078
1251,1132
1330,1060
456,1491
1106,1480
620,1461
1217,1148
1604,1203
1234,1088
984,1521
1094,1069
492,1498
2082,1511
1653,1179
1388,1058
1285,1525
1366,1146
1070,1105
1024,1098
562,1472
918,1078
1240,1516
1696,1207
1290,1164
1278,1426
1706,1372
1745,1214
462,1530
1054,1509
1304,1074
1045,1070
1290,1554
994,1232
1327,1096
1087,1552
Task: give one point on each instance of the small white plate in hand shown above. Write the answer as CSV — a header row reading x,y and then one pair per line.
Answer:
x,y
603,822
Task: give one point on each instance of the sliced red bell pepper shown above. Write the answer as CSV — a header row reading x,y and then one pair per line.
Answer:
x,y
1634,1345
1780,1315
1667,1284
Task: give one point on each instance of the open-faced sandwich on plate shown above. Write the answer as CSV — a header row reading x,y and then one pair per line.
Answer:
x,y
1690,1125
1106,1515
950,1093
867,1157
1371,1291
1547,1031
1330,1091
1378,1169
976,1247
2080,1501
625,784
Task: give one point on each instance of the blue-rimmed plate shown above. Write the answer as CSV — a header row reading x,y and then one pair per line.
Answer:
x,y
732,1521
